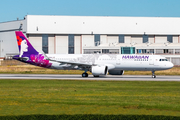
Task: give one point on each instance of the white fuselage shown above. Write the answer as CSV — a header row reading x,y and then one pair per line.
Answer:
x,y
112,61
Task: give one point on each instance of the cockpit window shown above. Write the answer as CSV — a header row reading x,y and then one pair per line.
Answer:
x,y
163,60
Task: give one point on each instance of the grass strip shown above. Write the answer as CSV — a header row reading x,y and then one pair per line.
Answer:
x,y
53,97
89,117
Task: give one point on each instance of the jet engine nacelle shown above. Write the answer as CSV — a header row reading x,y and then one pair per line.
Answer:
x,y
99,70
116,72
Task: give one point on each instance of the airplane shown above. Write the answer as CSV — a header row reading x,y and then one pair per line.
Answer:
x,y
97,64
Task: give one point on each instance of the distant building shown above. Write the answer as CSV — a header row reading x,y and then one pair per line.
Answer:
x,y
92,35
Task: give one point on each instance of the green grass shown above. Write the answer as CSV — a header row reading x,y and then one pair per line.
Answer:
x,y
53,97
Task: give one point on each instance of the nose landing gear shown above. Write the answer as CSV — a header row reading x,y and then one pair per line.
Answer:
x,y
153,74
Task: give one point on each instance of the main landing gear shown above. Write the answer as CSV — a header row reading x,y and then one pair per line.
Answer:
x,y
84,74
153,74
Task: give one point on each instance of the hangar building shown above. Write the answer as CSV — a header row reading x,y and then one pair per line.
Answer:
x,y
95,35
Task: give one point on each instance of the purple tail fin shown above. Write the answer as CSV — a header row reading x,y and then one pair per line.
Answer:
x,y
25,47
28,54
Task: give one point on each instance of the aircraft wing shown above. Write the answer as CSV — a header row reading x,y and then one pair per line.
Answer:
x,y
73,63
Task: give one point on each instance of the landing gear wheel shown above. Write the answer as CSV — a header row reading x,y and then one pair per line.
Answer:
x,y
84,75
153,76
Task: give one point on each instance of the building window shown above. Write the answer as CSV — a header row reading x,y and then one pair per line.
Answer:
x,y
170,38
145,38
110,51
168,51
92,51
105,51
177,51
143,50
150,51
139,51
147,51
45,43
127,50
97,39
164,51
159,51
70,44
121,38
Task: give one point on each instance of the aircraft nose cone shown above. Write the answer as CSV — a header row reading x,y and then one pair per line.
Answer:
x,y
170,65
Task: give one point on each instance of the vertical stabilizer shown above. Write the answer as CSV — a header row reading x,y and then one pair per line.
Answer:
x,y
28,54
25,47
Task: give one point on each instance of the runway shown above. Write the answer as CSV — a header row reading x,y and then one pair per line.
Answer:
x,y
102,78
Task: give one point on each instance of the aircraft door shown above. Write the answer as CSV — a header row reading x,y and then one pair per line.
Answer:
x,y
118,60
151,60
156,61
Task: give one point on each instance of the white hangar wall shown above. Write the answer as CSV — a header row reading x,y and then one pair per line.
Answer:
x,y
102,25
8,42
94,34
109,28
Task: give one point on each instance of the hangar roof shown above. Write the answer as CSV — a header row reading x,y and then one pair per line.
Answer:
x,y
42,24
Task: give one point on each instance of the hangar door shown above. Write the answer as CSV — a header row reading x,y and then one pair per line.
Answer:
x,y
136,39
112,39
160,39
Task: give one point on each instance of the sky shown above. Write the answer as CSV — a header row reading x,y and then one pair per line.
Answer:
x,y
12,9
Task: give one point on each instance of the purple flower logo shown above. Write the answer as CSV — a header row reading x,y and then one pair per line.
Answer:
x,y
40,61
